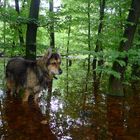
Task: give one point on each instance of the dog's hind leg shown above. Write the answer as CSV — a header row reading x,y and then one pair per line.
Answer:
x,y
10,85
26,95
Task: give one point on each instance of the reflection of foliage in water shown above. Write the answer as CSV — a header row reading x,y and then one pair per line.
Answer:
x,y
68,94
2,76
72,86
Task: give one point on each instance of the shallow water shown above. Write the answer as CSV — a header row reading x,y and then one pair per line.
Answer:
x,y
71,112
106,118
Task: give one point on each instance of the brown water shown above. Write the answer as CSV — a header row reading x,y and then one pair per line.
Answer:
x,y
107,118
71,112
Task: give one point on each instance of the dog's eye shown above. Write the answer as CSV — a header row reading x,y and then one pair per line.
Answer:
x,y
54,63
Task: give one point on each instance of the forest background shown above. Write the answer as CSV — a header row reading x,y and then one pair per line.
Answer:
x,y
105,33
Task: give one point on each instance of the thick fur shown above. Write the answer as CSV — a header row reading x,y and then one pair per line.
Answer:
x,y
31,76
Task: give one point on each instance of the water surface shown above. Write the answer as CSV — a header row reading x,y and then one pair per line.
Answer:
x,y
71,111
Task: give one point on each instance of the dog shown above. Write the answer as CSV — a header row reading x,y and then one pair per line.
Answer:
x,y
31,77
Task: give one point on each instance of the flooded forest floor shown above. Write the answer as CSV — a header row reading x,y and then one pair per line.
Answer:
x,y
70,112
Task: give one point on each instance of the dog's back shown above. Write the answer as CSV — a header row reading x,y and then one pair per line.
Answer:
x,y
16,73
15,68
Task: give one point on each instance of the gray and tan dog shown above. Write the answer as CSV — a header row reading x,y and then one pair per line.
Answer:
x,y
32,76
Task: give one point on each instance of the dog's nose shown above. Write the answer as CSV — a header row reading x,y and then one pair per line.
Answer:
x,y
60,71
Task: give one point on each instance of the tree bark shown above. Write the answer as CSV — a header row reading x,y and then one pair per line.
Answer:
x,y
21,39
68,61
52,35
52,40
32,30
115,85
89,39
136,70
96,78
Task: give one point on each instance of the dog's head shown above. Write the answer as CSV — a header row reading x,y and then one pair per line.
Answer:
x,y
53,62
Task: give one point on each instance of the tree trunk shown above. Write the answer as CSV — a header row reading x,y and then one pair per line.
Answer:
x,y
32,30
67,59
52,35
89,39
136,70
21,39
115,85
96,78
52,40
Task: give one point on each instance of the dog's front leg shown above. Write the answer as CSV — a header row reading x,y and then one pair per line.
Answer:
x,y
26,95
36,97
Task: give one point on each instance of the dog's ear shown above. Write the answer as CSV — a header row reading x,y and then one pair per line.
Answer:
x,y
57,51
48,54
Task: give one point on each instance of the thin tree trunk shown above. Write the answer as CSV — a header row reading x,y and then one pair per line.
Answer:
x,y
89,57
89,26
32,30
96,78
4,38
89,44
67,59
52,35
52,42
115,85
89,37
21,39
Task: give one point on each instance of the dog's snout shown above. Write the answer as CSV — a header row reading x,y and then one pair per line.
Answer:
x,y
60,71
